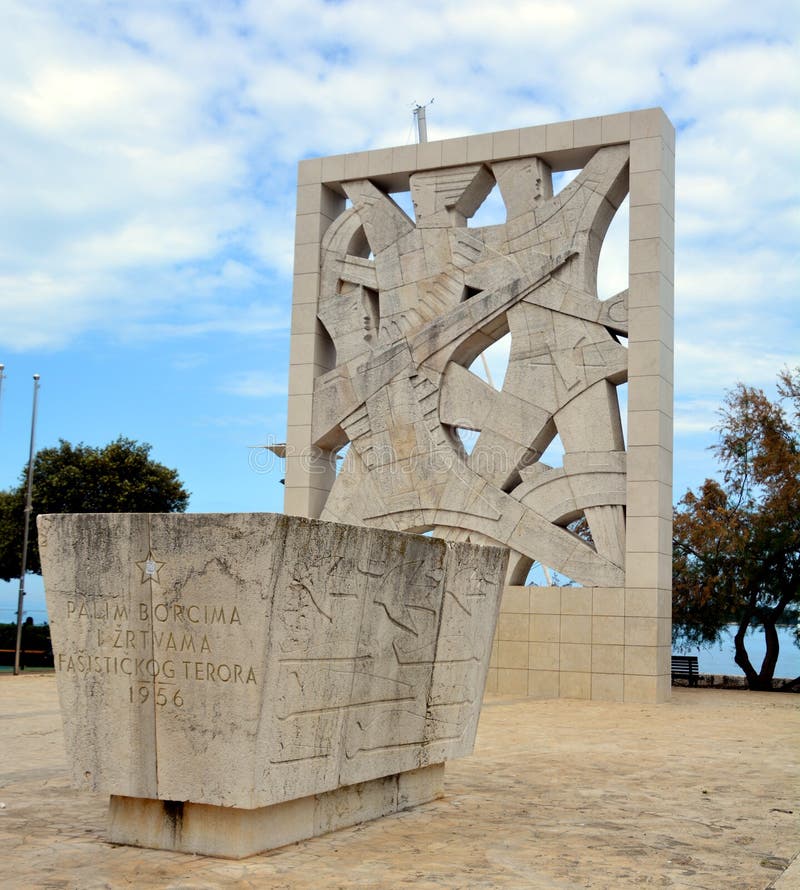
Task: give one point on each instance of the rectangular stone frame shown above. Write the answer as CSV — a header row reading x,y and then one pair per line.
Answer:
x,y
599,643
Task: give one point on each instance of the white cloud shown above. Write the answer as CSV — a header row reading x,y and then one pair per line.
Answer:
x,y
149,154
255,384
612,268
694,416
712,365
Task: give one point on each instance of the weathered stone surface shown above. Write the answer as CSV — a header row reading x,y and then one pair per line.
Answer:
x,y
402,387
243,660
406,306
234,833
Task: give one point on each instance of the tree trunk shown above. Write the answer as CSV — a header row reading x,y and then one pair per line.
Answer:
x,y
773,643
742,658
771,656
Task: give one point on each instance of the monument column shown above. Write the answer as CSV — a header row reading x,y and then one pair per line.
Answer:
x,y
648,588
309,472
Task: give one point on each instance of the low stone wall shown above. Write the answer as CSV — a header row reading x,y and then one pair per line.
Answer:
x,y
601,643
726,681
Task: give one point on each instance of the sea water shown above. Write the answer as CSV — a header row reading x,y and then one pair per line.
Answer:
x,y
717,658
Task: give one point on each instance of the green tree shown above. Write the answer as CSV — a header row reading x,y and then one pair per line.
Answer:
x,y
119,478
737,541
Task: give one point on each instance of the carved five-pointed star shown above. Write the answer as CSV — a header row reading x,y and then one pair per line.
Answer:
x,y
150,567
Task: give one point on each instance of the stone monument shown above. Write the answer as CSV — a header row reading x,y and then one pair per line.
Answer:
x,y
392,308
237,682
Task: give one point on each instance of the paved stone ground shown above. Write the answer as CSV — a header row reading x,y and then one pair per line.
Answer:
x,y
703,792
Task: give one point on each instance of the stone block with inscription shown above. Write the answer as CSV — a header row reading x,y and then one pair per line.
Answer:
x,y
239,681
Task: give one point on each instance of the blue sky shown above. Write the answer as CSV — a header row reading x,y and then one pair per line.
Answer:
x,y
149,153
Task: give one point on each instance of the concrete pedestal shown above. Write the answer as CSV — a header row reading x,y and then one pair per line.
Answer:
x,y
234,833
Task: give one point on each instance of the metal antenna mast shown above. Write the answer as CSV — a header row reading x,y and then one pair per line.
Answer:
x,y
422,124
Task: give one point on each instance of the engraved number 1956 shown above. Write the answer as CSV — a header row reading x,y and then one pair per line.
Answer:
x,y
142,694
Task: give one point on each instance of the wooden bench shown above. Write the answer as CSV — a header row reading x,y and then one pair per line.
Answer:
x,y
684,667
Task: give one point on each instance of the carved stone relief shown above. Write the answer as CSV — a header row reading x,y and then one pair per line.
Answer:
x,y
410,304
244,660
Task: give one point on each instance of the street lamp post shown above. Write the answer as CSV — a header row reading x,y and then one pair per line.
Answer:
x,y
28,508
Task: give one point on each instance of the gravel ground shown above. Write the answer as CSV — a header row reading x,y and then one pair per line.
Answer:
x,y
700,793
